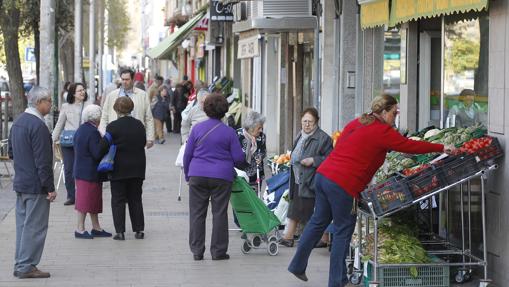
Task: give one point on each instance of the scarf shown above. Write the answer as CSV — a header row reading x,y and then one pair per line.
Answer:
x,y
251,145
297,154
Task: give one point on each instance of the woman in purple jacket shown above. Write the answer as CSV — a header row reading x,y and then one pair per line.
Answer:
x,y
211,153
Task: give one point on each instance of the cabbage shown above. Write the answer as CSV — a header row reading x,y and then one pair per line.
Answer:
x,y
431,133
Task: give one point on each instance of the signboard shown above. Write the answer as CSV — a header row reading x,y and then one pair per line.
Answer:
x,y
203,24
220,11
29,54
248,48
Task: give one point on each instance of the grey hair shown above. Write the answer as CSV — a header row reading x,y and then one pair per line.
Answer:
x,y
91,113
252,119
36,95
202,93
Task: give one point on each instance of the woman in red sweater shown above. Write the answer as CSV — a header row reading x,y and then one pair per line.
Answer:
x,y
358,154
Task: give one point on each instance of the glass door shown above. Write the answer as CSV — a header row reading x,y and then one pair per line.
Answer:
x,y
430,79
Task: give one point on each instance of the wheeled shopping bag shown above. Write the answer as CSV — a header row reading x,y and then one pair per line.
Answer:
x,y
258,223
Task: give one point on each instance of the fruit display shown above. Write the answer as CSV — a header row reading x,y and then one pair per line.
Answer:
x,y
282,158
335,137
279,163
474,145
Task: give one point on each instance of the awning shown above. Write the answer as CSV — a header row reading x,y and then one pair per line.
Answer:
x,y
163,49
374,13
408,10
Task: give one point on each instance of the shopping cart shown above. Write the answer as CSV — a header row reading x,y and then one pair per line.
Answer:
x,y
258,223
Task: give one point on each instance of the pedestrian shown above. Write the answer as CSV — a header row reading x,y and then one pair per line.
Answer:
x,y
32,154
358,154
128,173
139,80
178,105
68,122
153,90
253,139
310,149
141,111
88,154
211,153
167,84
160,111
194,115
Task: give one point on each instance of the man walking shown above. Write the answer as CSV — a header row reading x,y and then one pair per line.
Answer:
x,y
141,111
32,153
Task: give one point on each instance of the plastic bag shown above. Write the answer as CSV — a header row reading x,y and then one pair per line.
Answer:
x,y
282,208
180,156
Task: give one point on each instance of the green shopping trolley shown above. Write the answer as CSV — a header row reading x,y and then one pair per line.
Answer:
x,y
257,222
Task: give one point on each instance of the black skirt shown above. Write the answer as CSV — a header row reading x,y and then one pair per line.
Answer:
x,y
300,208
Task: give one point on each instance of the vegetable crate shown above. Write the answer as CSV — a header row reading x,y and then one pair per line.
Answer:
x,y
426,181
456,168
427,276
491,152
387,196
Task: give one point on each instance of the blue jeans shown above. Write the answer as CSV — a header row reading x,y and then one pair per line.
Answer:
x,y
331,203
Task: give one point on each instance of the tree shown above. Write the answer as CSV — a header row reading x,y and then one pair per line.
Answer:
x,y
9,26
118,24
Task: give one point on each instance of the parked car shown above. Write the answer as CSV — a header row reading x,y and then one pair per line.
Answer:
x,y
6,99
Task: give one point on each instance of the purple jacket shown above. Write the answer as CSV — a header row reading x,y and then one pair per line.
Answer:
x,y
216,155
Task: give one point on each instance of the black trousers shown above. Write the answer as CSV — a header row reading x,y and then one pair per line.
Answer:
x,y
201,190
127,191
68,155
177,122
168,124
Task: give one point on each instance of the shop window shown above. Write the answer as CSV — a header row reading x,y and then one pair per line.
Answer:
x,y
392,63
466,71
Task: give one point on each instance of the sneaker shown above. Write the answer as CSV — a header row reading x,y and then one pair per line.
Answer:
x,y
34,273
162,141
83,235
100,233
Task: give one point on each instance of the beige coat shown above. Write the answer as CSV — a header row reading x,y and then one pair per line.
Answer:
x,y
141,111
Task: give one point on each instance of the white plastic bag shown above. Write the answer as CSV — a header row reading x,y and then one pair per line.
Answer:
x,y
180,156
282,208
242,174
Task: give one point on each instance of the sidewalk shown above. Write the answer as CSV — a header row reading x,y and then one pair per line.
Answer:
x,y
161,259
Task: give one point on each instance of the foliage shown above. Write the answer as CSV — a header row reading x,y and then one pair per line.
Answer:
x,y
465,55
118,25
2,53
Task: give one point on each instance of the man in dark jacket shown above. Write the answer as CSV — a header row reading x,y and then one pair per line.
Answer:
x,y
32,153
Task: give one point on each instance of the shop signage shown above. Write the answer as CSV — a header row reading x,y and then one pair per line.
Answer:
x,y
220,11
202,25
374,14
407,10
249,47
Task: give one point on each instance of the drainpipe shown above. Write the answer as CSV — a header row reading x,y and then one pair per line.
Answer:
x,y
318,88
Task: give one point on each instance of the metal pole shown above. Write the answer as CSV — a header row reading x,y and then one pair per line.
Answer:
x,y
317,57
100,48
462,211
91,70
78,62
483,211
442,65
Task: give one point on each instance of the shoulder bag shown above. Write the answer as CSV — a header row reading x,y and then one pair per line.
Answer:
x,y
67,136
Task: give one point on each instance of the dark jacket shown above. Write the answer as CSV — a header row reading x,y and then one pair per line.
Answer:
x,y
88,153
129,136
261,152
179,100
32,153
161,109
318,146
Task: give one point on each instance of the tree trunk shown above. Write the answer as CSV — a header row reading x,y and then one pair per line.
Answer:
x,y
9,23
66,55
37,50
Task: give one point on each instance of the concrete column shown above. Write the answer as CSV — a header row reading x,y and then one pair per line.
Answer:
x,y
408,92
100,45
271,101
78,40
372,84
47,38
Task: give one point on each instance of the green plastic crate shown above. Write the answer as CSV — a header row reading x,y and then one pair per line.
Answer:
x,y
427,276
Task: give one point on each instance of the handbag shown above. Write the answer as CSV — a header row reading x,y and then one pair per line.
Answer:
x,y
67,136
108,160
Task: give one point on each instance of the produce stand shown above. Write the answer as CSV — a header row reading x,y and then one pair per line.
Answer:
x,y
400,193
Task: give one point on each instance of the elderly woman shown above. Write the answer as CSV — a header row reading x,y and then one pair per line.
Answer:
x,y
128,173
358,154
68,122
194,115
252,139
88,151
212,151
310,149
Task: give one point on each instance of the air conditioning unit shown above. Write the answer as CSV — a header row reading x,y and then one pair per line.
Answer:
x,y
240,11
279,8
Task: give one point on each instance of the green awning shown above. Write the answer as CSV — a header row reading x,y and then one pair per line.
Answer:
x,y
163,49
374,13
409,10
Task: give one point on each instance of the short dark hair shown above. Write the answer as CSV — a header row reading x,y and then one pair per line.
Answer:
x,y
123,105
71,98
215,106
312,111
159,78
127,71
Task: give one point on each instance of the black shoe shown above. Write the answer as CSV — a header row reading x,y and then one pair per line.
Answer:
x,y
139,235
221,257
302,276
69,202
15,273
287,242
119,236
321,244
198,257
100,233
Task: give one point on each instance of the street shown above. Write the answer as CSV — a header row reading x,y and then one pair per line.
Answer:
x,y
161,259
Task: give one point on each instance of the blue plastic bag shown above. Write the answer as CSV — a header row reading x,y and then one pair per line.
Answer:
x,y
107,162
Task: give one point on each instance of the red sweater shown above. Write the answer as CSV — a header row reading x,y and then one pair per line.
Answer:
x,y
361,150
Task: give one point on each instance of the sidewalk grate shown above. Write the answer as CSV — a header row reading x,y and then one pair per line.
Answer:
x,y
167,213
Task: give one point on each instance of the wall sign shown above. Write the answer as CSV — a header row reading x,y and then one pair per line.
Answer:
x,y
248,48
220,11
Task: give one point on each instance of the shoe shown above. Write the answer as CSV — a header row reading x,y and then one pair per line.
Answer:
x,y
69,202
321,244
119,236
162,141
198,257
100,233
15,273
139,235
84,235
221,257
302,276
287,242
34,273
